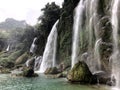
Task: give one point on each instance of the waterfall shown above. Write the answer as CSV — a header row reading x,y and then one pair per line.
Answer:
x,y
27,62
92,21
30,62
92,35
38,61
77,27
33,46
8,48
92,27
115,55
97,62
49,55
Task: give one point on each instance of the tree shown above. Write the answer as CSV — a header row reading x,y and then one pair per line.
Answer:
x,y
51,13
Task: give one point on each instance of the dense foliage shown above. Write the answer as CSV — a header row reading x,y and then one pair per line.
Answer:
x,y
51,12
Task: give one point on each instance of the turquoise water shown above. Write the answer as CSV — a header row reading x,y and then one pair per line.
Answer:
x,y
42,83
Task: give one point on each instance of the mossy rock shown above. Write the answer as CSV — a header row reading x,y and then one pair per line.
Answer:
x,y
53,70
22,59
29,72
80,73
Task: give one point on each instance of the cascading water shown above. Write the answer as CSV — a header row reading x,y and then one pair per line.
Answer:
x,y
30,62
92,21
97,62
115,55
8,48
38,61
92,27
49,55
77,27
27,63
33,46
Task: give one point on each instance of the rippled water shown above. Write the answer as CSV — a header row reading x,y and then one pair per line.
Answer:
x,y
42,83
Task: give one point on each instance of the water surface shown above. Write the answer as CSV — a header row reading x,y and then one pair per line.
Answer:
x,y
42,83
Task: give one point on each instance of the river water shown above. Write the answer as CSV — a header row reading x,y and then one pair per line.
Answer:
x,y
42,83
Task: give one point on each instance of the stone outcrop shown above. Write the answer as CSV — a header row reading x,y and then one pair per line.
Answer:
x,y
80,73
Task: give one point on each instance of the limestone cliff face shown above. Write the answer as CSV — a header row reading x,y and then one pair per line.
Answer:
x,y
65,27
65,30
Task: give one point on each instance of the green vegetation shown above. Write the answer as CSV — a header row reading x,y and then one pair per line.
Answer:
x,y
51,13
22,59
80,73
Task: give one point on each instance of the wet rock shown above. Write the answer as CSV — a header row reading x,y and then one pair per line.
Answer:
x,y
112,81
80,73
64,73
53,70
5,71
1,67
104,78
29,72
38,62
16,72
64,65
30,63
55,76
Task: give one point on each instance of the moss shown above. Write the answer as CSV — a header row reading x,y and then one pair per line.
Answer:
x,y
65,27
7,58
22,59
14,55
28,72
80,73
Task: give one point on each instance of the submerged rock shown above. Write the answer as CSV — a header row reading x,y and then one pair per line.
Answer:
x,y
60,75
80,73
53,70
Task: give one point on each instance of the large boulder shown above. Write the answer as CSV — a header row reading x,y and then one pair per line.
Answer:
x,y
80,73
29,72
104,78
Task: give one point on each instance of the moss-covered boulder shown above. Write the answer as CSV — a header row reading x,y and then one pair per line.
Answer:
x,y
80,73
29,72
53,70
